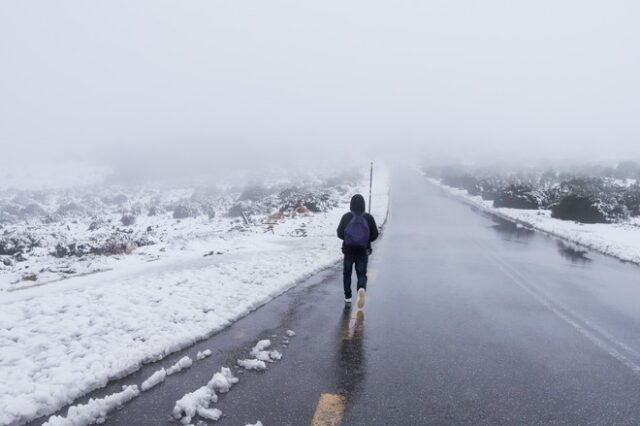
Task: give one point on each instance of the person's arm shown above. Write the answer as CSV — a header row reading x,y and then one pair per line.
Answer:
x,y
343,225
373,228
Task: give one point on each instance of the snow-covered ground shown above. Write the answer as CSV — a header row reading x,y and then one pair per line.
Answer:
x,y
61,339
621,240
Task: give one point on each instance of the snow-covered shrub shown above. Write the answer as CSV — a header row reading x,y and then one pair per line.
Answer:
x,y
128,219
579,208
631,199
18,244
601,192
117,244
517,197
314,201
96,224
185,210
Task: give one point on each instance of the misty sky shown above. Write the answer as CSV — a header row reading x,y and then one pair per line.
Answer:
x,y
212,81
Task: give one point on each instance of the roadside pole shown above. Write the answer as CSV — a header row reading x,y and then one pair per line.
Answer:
x,y
370,185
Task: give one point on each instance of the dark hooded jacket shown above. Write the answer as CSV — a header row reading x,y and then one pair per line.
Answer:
x,y
357,206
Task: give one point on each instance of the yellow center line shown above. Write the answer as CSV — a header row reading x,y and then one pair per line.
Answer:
x,y
330,410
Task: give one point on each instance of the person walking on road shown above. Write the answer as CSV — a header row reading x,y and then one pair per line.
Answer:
x,y
357,230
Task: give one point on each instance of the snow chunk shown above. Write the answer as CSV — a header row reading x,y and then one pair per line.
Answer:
x,y
259,423
260,346
187,406
222,381
198,401
252,364
290,333
183,363
275,355
155,379
261,356
202,355
96,410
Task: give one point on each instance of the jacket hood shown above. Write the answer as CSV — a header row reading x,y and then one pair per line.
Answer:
x,y
357,204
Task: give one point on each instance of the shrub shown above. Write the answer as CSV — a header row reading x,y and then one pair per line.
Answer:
x,y
183,211
579,208
128,219
631,199
517,197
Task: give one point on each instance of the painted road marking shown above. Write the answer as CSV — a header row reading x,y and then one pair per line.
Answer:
x,y
330,410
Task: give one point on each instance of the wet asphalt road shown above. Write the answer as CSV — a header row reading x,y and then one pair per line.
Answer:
x,y
469,320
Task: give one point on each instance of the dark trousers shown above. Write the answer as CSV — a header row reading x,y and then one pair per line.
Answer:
x,y
361,272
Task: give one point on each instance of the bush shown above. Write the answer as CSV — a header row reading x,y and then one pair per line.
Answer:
x,y
631,199
579,208
128,219
517,197
183,211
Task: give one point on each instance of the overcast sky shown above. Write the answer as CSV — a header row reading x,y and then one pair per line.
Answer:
x,y
212,81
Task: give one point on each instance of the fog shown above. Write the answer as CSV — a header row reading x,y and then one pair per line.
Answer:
x,y
228,84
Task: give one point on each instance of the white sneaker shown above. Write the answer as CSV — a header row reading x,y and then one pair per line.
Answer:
x,y
347,300
361,297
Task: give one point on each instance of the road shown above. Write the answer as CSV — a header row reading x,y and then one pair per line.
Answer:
x,y
469,320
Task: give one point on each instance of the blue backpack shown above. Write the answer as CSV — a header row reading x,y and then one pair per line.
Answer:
x,y
356,234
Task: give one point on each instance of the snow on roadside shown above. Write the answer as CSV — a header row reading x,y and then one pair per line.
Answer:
x,y
60,341
621,240
96,410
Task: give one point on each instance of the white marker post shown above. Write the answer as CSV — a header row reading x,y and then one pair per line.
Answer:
x,y
370,185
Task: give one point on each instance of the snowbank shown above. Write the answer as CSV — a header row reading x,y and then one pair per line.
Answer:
x,y
94,411
621,240
62,340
